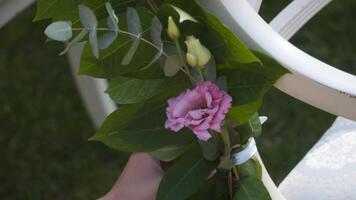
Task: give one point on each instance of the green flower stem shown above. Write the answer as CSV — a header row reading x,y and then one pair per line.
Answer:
x,y
181,57
201,74
153,5
236,173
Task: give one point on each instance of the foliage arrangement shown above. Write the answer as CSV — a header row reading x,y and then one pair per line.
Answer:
x,y
154,52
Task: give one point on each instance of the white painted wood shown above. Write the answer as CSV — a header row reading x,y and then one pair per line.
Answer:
x,y
92,90
256,4
10,8
296,15
312,81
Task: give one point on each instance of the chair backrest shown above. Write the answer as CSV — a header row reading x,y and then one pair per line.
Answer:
x,y
311,81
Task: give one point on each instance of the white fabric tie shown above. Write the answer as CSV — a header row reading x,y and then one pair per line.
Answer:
x,y
246,154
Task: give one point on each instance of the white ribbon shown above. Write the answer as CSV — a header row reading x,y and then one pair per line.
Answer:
x,y
246,154
250,150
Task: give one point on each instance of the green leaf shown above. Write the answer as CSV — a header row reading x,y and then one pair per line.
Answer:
x,y
242,113
59,31
184,16
209,149
134,27
54,8
108,38
169,153
214,189
251,189
252,128
109,64
125,90
87,17
156,31
172,65
186,176
210,70
93,41
140,127
77,39
250,168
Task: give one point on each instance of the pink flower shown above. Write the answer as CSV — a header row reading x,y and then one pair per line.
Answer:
x,y
200,109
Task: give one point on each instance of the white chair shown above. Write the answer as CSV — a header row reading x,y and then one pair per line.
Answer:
x,y
328,171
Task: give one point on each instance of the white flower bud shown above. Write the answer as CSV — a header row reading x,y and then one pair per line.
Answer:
x,y
192,60
197,53
173,31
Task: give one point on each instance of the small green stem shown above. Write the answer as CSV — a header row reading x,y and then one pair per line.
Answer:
x,y
236,173
201,74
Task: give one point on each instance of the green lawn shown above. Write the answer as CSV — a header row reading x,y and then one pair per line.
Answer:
x,y
44,127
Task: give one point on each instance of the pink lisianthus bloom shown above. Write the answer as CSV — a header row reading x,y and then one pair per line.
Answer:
x,y
199,109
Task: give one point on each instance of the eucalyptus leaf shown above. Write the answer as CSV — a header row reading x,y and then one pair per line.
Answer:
x,y
87,17
109,64
251,188
156,31
77,39
124,90
60,31
134,27
107,39
196,75
210,70
186,176
113,20
172,65
93,41
184,16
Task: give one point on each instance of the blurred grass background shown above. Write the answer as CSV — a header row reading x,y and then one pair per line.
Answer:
x,y
44,127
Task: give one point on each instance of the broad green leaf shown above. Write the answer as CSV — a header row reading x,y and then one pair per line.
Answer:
x,y
59,31
169,153
238,52
93,41
251,189
221,82
54,8
77,39
242,113
183,16
250,168
210,150
140,127
252,128
125,90
186,176
134,27
215,188
87,17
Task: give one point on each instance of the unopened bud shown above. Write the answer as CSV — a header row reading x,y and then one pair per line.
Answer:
x,y
197,53
173,31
